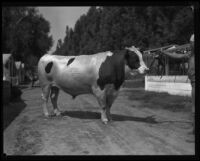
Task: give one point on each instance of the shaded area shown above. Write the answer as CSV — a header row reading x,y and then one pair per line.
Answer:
x,y
156,100
115,117
134,81
25,85
134,84
6,92
15,94
13,108
11,111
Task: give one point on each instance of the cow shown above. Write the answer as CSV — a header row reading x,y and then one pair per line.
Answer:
x,y
100,74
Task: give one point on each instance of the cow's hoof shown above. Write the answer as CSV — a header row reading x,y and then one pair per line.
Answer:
x,y
105,121
58,113
47,115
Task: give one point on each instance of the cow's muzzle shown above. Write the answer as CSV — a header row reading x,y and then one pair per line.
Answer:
x,y
143,69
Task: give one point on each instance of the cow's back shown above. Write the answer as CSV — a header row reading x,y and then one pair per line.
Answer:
x,y
70,73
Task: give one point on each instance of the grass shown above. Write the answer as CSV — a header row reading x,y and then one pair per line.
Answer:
x,y
11,111
134,83
161,100
13,107
157,100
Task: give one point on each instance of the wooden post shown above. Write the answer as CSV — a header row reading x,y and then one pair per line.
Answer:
x,y
166,65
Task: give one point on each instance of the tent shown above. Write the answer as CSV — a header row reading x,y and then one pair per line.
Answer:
x,y
9,69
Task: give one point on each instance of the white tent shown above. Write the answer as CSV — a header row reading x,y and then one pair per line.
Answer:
x,y
10,72
7,65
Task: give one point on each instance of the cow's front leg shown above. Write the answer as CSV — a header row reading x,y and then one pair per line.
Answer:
x,y
54,97
101,98
111,95
107,110
45,97
108,114
104,108
104,118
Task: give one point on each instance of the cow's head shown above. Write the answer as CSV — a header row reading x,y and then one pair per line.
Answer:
x,y
134,60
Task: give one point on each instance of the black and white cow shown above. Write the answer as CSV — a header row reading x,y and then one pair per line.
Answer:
x,y
100,74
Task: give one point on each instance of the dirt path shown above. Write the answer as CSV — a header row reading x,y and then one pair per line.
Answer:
x,y
134,130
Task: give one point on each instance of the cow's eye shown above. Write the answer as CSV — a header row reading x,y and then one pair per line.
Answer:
x,y
137,65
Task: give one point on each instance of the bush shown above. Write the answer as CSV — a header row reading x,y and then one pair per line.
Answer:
x,y
15,93
6,92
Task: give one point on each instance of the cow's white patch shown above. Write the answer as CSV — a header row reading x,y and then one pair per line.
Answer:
x,y
142,69
109,53
94,60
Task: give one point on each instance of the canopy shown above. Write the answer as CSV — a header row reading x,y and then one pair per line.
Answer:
x,y
6,57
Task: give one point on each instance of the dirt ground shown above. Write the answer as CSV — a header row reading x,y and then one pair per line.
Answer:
x,y
144,123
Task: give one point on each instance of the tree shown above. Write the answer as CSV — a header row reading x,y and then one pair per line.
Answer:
x,y
59,44
26,33
113,28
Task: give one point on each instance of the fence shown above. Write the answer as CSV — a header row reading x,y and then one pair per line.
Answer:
x,y
175,85
164,65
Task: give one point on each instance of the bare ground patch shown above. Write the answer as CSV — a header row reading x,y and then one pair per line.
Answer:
x,y
79,131
28,138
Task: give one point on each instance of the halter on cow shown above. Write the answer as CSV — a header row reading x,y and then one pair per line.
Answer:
x,y
101,74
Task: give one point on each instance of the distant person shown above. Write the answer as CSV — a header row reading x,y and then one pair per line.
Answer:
x,y
32,76
191,72
34,79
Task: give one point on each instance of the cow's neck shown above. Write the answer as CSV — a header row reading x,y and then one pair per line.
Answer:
x,y
127,69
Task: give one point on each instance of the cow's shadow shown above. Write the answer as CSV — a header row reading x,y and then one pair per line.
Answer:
x,y
115,117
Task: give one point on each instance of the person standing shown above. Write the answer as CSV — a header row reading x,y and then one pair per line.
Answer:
x,y
191,72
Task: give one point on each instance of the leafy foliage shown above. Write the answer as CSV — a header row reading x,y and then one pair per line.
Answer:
x,y
112,28
25,34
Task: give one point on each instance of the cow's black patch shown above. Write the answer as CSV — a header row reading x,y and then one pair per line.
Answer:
x,y
48,67
112,71
70,61
132,59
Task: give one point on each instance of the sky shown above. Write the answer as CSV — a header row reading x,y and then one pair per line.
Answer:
x,y
59,18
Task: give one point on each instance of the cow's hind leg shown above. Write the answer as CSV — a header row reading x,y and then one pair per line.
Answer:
x,y
45,97
54,98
